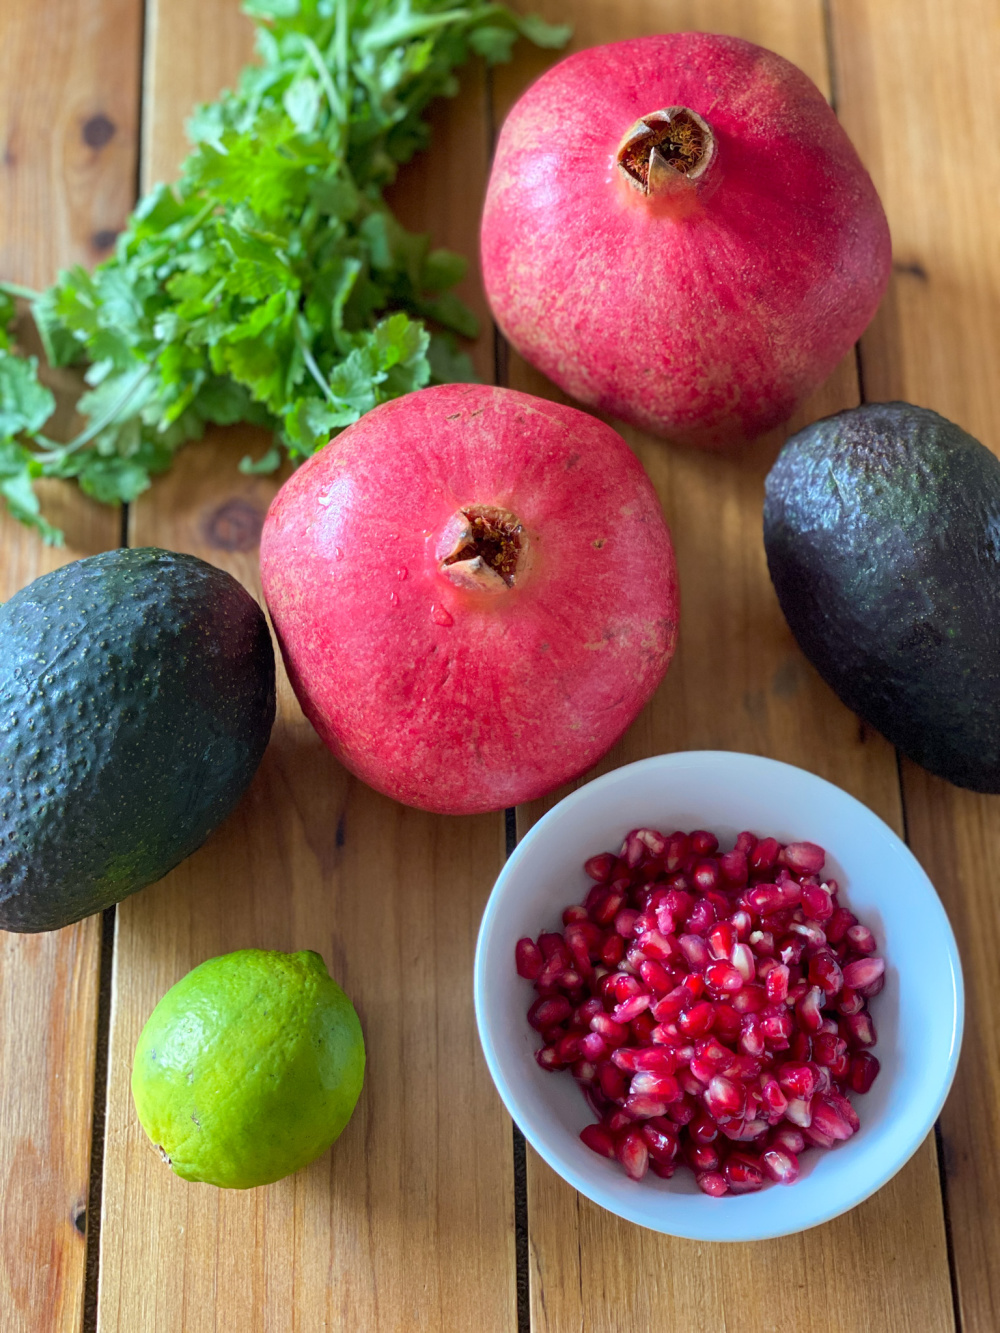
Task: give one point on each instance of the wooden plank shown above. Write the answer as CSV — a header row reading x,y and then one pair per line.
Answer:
x,y
408,1223
69,78
913,79
738,682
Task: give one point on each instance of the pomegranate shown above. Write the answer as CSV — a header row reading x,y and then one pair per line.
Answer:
x,y
697,1046
474,592
677,231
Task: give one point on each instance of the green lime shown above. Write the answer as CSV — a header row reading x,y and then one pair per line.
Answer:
x,y
248,1068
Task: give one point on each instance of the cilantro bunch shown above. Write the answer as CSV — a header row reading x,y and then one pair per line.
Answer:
x,y
271,284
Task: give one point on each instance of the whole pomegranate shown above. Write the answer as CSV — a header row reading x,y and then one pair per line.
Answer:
x,y
677,231
474,591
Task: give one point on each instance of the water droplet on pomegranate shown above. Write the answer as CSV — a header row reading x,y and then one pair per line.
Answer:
x,y
338,553
440,616
401,573
393,599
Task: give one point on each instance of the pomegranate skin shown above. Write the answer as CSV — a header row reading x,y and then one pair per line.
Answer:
x,y
708,315
448,695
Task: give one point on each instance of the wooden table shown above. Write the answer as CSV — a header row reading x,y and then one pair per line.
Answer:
x,y
429,1215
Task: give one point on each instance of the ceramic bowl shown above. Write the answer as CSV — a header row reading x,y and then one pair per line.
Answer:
x,y
918,1014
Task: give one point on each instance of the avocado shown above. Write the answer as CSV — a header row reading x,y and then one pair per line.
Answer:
x,y
882,531
136,701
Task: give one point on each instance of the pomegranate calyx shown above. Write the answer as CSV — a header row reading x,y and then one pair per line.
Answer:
x,y
482,547
666,151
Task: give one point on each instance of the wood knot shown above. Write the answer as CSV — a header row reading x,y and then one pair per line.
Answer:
x,y
104,239
234,526
98,131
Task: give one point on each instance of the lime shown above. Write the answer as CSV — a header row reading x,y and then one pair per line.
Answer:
x,y
248,1068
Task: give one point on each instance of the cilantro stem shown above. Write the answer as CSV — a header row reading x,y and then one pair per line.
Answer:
x,y
313,368
103,421
15,289
337,105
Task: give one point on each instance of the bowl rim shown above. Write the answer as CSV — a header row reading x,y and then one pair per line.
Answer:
x,y
895,1160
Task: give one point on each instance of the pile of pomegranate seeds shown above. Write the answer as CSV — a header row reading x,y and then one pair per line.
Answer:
x,y
711,1005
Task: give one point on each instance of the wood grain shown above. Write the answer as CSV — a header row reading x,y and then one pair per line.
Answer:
x,y
912,78
69,76
408,1223
737,682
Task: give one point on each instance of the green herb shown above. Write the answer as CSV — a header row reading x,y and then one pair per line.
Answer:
x,y
271,284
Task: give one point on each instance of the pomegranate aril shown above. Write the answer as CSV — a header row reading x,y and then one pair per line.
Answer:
x,y
849,1002
733,868
777,1024
723,977
613,1033
764,855
609,908
799,1112
549,1010
612,1082
600,867
662,1169
864,972
656,946
642,1106
752,1036
612,949
742,923
800,1047
764,899
724,1097
712,1183
548,1057
642,1028
576,914
700,1156
697,1020
743,960
828,1049
803,858
695,951
742,1176
632,1152
787,1138
584,1071
694,982
861,939
702,843
619,1119
588,1010
669,1006
780,1165
599,1139
594,1047
656,977
859,1030
625,920
661,1139
824,971
774,1100
776,984
864,1068
809,1011
839,924
727,1022
797,1080
817,903
701,917
528,958
683,1112
750,1000
827,1119
648,1083
721,940
625,986
631,1008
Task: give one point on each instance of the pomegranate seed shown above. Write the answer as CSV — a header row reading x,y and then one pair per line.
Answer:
x,y
642,1107
839,924
648,1083
695,951
612,950
706,876
859,1030
584,1071
594,1047
797,1080
661,1139
787,1138
600,867
840,1103
701,1156
625,922
742,923
665,923
702,843
614,1033
656,977
575,914
774,1100
824,971
669,1006
632,1152
742,1175
764,899
861,939
630,1008
799,1112
712,1183
777,983
750,1000
803,858
723,977
781,1166
849,1002
703,1129
701,917
864,1068
764,855
743,960
609,908
695,985
808,1010
612,1082
619,1119
599,1140
548,1058
828,1120
721,940
547,1011
817,903
724,1098
682,1113
733,868
863,973
777,1025
656,946
752,1036
528,958
727,1022
627,1058
828,1049
697,1020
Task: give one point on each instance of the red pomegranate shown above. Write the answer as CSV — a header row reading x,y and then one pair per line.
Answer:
x,y
677,231
474,591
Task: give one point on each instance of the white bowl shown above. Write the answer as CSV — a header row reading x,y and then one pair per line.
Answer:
x,y
918,1015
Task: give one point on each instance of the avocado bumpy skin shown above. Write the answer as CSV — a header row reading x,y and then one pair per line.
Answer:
x,y
882,531
136,701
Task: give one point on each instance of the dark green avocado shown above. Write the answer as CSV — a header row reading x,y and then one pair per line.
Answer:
x,y
136,701
882,530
